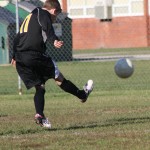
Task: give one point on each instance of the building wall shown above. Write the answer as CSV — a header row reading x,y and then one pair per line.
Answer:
x,y
130,26
121,32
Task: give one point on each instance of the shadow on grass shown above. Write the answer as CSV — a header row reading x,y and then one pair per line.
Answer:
x,y
109,123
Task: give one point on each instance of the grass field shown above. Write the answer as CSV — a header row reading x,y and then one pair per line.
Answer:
x,y
112,51
116,116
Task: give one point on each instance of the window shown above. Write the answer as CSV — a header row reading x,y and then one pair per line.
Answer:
x,y
128,7
81,8
85,8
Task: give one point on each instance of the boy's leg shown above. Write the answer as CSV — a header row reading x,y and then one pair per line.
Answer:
x,y
69,87
39,100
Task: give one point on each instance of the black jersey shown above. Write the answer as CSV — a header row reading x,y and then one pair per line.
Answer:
x,y
34,32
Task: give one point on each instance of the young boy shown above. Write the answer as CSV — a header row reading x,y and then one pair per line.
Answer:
x,y
32,64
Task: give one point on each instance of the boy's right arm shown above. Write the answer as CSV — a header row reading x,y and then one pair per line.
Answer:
x,y
58,44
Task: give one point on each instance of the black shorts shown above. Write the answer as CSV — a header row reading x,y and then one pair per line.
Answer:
x,y
35,68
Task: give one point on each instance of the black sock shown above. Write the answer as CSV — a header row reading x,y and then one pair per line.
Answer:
x,y
69,87
39,100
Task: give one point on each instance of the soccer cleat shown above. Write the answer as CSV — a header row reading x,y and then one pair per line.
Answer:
x,y
88,87
42,121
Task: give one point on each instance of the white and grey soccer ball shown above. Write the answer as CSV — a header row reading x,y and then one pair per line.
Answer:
x,y
124,68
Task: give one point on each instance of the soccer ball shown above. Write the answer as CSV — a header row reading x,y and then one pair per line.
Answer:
x,y
124,68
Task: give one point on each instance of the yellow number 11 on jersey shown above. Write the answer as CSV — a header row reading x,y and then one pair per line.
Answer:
x,y
25,24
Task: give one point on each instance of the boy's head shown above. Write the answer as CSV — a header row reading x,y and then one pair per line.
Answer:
x,y
52,6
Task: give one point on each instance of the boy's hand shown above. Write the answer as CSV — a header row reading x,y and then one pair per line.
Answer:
x,y
58,44
13,62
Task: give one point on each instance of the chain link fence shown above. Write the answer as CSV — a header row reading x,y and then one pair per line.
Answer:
x,y
76,65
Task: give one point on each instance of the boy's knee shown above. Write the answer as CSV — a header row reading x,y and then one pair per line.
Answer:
x,y
40,88
59,79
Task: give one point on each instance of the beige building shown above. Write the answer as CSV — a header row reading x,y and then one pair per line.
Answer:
x,y
86,8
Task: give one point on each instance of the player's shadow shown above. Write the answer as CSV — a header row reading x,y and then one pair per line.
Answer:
x,y
109,123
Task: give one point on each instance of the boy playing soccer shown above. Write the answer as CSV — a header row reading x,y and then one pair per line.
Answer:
x,y
32,64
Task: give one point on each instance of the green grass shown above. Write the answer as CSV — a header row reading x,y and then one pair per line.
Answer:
x,y
116,116
114,51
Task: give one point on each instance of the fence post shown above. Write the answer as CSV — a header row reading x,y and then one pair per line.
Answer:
x,y
17,30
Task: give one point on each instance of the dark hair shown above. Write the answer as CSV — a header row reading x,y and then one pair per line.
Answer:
x,y
49,4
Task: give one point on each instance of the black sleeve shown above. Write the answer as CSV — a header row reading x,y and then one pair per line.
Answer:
x,y
46,23
16,40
